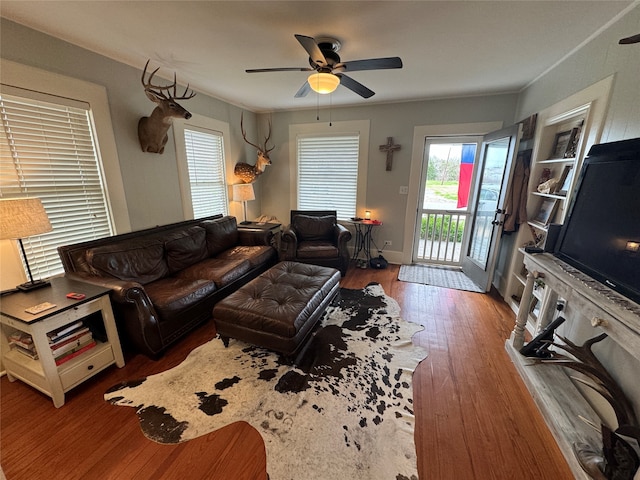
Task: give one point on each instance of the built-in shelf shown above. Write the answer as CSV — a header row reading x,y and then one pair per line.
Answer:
x,y
561,403
549,195
558,160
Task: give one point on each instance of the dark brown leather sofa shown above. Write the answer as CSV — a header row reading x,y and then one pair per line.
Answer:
x,y
316,237
166,280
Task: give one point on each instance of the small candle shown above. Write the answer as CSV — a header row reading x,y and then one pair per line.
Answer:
x,y
367,215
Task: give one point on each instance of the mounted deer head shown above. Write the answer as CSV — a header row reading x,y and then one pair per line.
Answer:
x,y
246,172
152,130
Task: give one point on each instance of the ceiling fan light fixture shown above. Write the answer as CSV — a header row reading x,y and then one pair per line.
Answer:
x,y
323,82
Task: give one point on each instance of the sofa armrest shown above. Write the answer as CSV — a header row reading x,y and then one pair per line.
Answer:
x,y
133,310
289,244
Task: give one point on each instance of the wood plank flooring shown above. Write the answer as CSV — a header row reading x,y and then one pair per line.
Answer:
x,y
474,416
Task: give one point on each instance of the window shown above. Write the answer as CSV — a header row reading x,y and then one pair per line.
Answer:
x,y
201,146
331,167
48,151
328,173
205,162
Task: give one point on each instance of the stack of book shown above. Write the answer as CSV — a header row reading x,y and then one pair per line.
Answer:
x,y
23,343
70,341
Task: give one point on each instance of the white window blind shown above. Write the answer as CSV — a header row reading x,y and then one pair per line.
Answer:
x,y
328,173
48,151
205,161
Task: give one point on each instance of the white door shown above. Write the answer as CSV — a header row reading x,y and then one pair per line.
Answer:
x,y
496,162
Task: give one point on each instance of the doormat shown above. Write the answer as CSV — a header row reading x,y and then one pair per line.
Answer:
x,y
346,410
445,277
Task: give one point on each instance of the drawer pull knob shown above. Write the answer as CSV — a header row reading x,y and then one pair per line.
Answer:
x,y
598,322
90,367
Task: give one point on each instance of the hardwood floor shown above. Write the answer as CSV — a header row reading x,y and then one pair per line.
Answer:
x,y
474,416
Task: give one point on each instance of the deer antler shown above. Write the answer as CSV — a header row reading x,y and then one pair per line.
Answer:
x,y
588,364
158,89
264,149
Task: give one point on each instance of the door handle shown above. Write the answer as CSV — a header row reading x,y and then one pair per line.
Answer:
x,y
497,222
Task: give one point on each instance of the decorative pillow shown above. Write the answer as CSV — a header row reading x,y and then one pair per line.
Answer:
x,y
222,234
185,247
141,262
311,228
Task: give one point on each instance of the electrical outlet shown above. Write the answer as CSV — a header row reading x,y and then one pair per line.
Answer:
x,y
404,190
387,243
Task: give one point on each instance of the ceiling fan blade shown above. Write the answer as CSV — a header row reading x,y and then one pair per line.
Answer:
x,y
371,64
355,86
283,69
311,46
630,40
304,90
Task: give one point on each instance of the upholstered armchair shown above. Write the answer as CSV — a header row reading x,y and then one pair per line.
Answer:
x,y
315,237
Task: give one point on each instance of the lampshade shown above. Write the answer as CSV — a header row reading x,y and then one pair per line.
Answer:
x,y
243,192
323,82
22,217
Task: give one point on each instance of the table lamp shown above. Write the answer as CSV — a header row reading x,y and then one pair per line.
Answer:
x,y
21,218
243,192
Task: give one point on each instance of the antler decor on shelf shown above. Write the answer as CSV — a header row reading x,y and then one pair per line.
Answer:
x,y
586,362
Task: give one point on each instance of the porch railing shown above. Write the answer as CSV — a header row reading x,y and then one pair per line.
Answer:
x,y
441,236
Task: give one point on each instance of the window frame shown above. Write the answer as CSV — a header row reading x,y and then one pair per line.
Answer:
x,y
356,127
200,122
30,78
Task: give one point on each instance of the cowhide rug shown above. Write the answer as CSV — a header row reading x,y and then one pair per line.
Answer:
x,y
345,412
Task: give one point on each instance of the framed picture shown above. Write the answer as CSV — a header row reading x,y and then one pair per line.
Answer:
x,y
546,211
529,127
564,144
564,183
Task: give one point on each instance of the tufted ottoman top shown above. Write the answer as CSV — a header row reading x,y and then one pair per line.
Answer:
x,y
279,301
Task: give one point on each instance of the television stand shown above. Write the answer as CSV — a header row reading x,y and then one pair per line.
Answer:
x,y
561,403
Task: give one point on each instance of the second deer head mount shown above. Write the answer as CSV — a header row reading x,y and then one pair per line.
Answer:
x,y
246,172
152,130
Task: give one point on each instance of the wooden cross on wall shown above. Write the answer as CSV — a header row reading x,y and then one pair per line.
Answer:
x,y
389,147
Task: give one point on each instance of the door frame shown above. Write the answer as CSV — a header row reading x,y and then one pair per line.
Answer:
x,y
420,133
444,140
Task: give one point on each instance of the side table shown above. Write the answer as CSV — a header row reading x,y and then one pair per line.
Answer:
x,y
95,312
259,226
363,237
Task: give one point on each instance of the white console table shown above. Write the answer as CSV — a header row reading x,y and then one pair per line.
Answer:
x,y
559,401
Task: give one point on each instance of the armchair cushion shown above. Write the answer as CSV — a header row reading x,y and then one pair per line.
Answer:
x,y
311,228
316,237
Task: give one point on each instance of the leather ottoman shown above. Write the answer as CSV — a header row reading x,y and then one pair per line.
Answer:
x,y
279,308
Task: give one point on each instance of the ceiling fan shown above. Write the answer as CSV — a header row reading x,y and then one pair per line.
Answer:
x,y
630,40
330,71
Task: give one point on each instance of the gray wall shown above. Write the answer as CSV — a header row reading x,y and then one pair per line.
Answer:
x,y
386,120
150,180
598,59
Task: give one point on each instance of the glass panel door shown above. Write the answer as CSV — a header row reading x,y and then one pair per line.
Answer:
x,y
496,164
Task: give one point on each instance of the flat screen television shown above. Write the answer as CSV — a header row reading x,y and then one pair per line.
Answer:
x,y
601,232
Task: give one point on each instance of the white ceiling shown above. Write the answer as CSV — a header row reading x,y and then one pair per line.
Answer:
x,y
449,48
